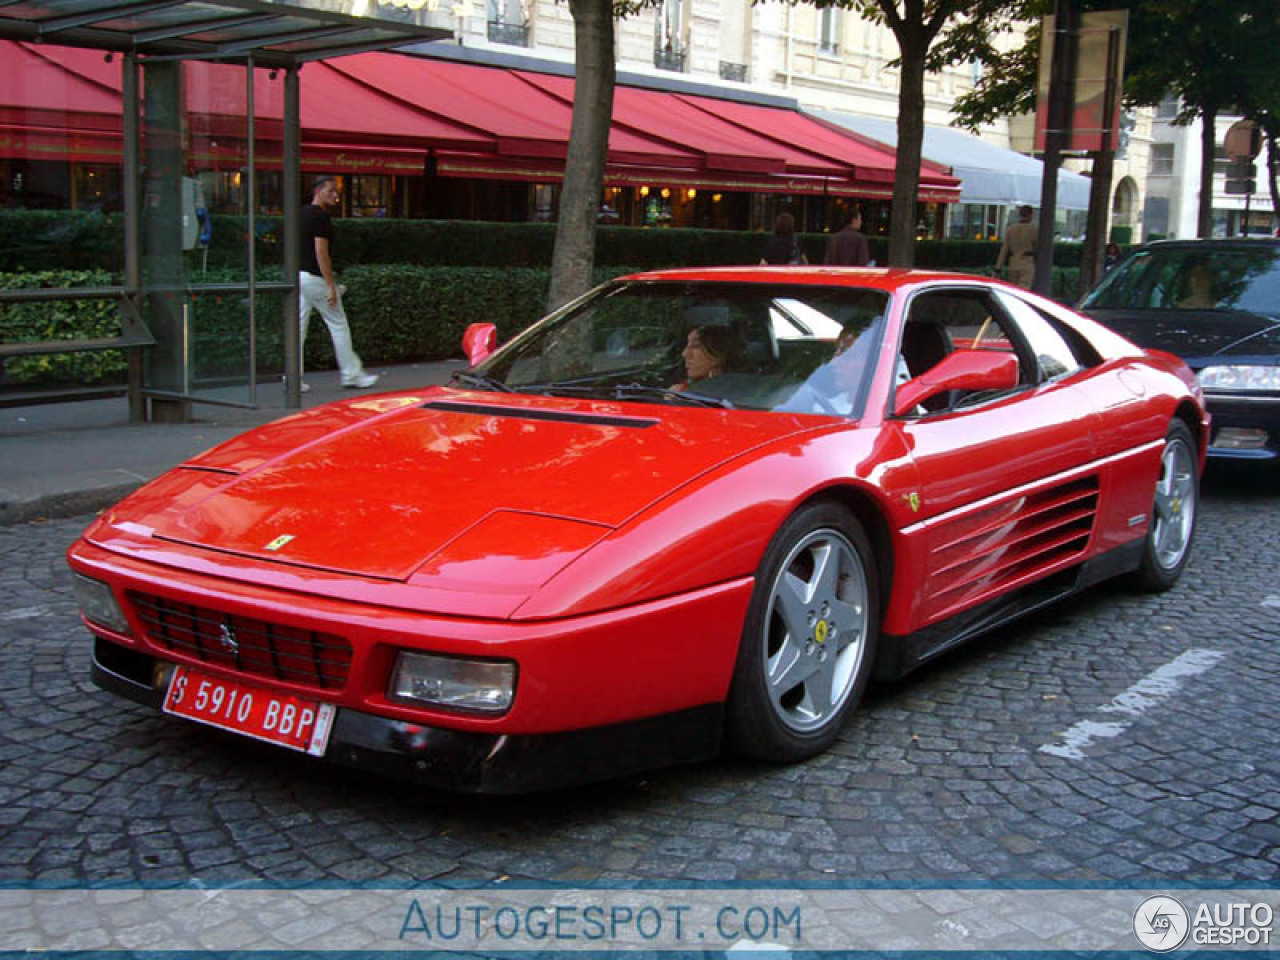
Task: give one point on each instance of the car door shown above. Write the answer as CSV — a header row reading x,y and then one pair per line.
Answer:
x,y
1006,489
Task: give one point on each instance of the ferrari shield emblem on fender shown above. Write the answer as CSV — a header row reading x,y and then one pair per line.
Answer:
x,y
278,542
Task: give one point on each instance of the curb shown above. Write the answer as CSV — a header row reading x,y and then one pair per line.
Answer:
x,y
69,504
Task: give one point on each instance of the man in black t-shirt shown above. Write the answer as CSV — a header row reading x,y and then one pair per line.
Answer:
x,y
317,288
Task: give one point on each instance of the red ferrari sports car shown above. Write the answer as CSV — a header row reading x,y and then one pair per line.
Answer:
x,y
692,509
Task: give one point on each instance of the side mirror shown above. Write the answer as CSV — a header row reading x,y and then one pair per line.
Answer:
x,y
478,341
967,370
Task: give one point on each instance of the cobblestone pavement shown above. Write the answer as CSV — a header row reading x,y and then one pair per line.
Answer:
x,y
940,779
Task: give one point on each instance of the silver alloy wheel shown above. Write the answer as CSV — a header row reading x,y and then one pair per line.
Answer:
x,y
815,630
1175,506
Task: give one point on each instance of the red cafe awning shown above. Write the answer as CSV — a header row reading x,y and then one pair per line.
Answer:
x,y
332,107
519,118
67,145
657,116
383,112
775,139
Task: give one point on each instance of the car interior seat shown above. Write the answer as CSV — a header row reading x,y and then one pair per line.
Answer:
x,y
925,343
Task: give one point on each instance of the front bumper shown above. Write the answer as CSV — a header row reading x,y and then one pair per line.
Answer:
x,y
659,657
1237,411
466,761
596,696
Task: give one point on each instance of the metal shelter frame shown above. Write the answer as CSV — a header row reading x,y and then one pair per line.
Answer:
x,y
275,35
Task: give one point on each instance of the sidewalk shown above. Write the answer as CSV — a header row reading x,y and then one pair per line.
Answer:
x,y
63,459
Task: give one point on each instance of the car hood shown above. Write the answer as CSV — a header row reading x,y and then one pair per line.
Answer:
x,y
1196,335
405,487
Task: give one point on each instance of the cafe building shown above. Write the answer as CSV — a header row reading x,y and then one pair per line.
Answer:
x,y
442,138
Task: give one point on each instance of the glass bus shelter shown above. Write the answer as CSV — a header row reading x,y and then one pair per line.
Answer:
x,y
209,89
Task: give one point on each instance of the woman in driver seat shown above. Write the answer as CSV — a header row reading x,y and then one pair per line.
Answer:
x,y
707,352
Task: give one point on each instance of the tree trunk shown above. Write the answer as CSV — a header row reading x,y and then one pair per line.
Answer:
x,y
1208,144
1093,255
906,179
574,256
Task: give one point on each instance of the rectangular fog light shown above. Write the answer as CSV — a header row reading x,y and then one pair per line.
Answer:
x,y
98,604
454,683
1240,438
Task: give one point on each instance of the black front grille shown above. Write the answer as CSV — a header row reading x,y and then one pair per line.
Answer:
x,y
246,644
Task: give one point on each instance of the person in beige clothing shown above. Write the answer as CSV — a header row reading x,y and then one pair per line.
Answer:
x,y
1019,250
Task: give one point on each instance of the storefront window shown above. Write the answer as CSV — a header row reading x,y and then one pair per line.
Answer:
x,y
36,185
95,186
544,199
368,196
974,221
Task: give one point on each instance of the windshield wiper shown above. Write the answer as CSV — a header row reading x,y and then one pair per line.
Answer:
x,y
624,391
483,381
628,391
566,389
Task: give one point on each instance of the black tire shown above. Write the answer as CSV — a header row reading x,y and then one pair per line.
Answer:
x,y
1175,507
809,641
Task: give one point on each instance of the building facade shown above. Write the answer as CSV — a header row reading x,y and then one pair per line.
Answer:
x,y
1173,191
827,62
828,59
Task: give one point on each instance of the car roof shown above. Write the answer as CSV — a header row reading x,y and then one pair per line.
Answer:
x,y
1213,243
879,278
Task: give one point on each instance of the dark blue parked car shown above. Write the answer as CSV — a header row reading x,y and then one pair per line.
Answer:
x,y
1216,304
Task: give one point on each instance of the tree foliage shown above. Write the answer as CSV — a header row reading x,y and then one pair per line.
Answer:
x,y
1217,56
931,35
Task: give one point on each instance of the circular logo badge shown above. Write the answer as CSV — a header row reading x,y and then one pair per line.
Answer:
x,y
1161,924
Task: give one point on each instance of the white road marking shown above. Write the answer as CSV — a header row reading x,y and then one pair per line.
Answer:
x,y
1273,602
1148,692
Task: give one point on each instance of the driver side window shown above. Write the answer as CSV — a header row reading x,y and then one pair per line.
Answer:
x,y
940,322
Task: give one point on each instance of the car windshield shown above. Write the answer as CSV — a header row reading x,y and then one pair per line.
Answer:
x,y
797,348
1199,277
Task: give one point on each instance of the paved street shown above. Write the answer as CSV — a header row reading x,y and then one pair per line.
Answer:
x,y
1160,715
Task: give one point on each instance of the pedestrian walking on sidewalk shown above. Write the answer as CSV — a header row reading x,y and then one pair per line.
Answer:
x,y
847,247
317,287
1019,250
783,247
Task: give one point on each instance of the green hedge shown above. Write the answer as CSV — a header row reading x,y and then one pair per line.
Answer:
x,y
413,285
1063,281
32,240
48,239
398,313
61,320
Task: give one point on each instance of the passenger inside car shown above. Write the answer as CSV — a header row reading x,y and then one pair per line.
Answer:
x,y
831,387
1199,289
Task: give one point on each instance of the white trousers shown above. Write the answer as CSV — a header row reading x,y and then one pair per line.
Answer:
x,y
313,292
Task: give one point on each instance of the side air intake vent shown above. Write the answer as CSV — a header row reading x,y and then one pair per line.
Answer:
x,y
1011,542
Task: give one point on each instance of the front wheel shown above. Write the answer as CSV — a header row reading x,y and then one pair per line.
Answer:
x,y
1173,516
809,640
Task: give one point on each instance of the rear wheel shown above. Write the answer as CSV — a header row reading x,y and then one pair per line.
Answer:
x,y
1173,516
809,641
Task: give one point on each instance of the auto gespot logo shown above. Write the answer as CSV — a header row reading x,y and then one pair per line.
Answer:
x,y
1162,923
